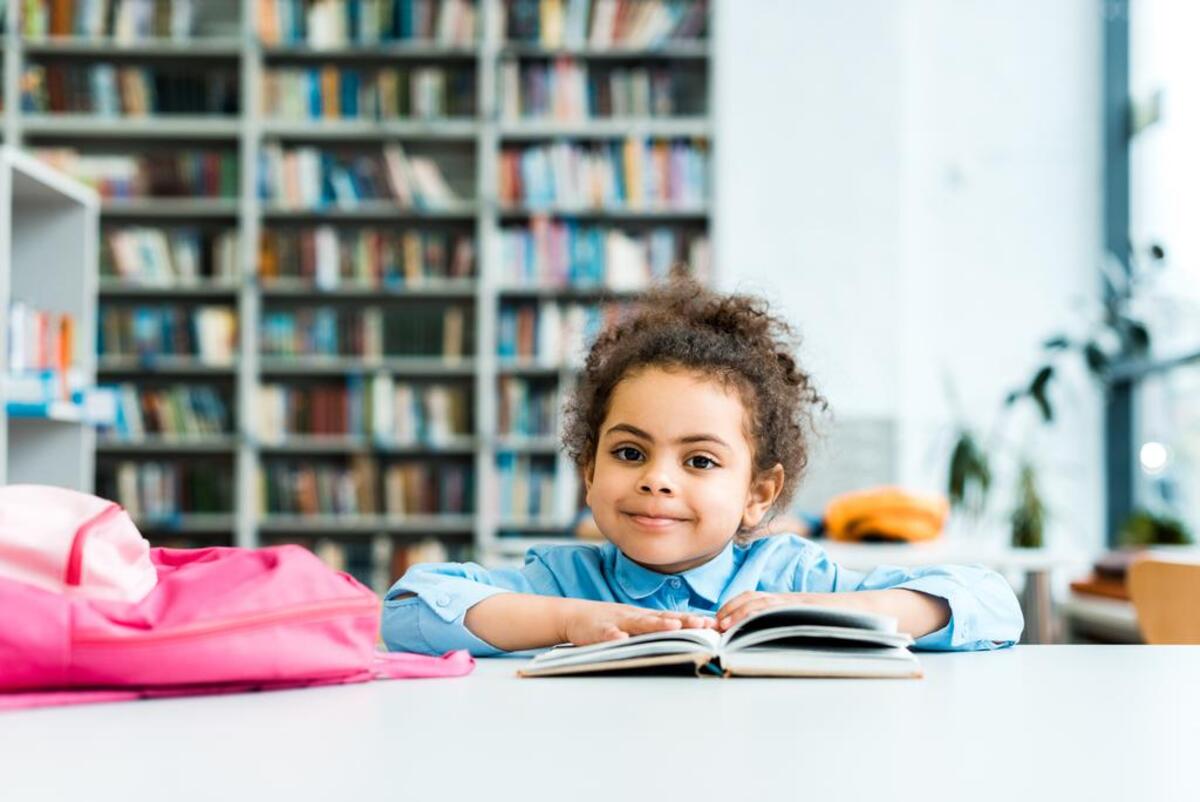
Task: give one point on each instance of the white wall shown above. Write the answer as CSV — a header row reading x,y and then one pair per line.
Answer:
x,y
917,184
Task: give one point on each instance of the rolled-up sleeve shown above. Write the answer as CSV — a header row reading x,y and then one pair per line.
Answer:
x,y
984,612
433,620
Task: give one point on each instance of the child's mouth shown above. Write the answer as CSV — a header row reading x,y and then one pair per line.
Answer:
x,y
653,522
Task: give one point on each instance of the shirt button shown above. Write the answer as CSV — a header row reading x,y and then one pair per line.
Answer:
x,y
443,600
674,581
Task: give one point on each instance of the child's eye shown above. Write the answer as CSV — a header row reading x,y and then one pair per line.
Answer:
x,y
627,454
700,461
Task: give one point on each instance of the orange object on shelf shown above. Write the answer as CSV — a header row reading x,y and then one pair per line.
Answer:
x,y
886,513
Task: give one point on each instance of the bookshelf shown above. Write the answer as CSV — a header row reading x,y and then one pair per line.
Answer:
x,y
48,244
451,114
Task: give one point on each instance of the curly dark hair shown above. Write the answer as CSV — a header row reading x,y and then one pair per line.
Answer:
x,y
732,338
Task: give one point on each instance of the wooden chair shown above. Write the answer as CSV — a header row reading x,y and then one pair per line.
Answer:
x,y
1166,596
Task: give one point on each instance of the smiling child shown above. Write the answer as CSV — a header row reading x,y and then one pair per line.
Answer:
x,y
690,427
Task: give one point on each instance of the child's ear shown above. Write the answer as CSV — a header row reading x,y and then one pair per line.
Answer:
x,y
764,489
589,473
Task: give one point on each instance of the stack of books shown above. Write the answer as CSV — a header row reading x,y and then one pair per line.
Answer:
x,y
311,178
324,488
635,174
328,257
404,413
424,488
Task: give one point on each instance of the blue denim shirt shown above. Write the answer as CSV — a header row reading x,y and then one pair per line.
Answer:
x,y
984,613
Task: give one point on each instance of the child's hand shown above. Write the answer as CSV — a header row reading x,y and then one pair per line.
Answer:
x,y
753,601
592,622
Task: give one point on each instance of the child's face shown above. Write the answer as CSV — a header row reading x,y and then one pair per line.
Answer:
x,y
671,482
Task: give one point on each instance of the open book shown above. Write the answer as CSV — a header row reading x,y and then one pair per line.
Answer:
x,y
793,641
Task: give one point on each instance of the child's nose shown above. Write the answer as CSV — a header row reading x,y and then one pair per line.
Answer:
x,y
656,480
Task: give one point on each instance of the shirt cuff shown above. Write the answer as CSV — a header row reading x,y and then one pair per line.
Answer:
x,y
955,635
441,614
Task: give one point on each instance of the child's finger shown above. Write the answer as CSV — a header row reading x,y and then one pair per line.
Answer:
x,y
639,625
746,610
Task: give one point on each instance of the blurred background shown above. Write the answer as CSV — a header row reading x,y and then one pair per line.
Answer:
x,y
350,252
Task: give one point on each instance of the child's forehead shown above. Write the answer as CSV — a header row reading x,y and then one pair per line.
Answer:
x,y
671,403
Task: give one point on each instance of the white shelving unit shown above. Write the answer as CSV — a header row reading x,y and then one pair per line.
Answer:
x,y
48,244
230,42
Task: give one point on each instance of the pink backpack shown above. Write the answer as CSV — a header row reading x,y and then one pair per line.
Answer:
x,y
214,620
73,543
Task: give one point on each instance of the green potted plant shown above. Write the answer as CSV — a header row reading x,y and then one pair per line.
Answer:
x,y
1115,337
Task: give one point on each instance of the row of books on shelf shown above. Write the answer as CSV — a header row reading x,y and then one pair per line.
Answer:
x,y
327,257
124,20
388,411
178,173
567,90
551,332
108,90
177,410
568,254
603,23
169,257
526,408
207,332
308,177
357,488
526,487
156,489
385,93
337,23
633,174
369,332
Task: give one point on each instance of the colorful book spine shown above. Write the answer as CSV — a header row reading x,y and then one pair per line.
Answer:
x,y
207,332
340,23
356,488
169,257
389,93
526,487
157,490
187,173
526,408
566,90
558,253
124,20
328,257
407,413
634,174
107,90
179,410
603,23
369,333
313,178
550,332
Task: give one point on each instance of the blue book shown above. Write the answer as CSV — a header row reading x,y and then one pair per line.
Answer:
x,y
313,78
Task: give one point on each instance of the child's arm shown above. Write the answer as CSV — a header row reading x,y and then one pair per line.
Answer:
x,y
516,621
944,607
439,607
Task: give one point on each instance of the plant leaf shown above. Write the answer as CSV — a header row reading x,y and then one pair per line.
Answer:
x,y
1096,359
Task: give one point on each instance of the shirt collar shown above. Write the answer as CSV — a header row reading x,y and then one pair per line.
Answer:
x,y
707,580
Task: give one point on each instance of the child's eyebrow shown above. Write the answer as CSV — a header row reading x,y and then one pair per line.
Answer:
x,y
691,438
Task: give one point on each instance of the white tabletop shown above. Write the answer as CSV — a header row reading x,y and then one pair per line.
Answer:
x,y
1029,723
